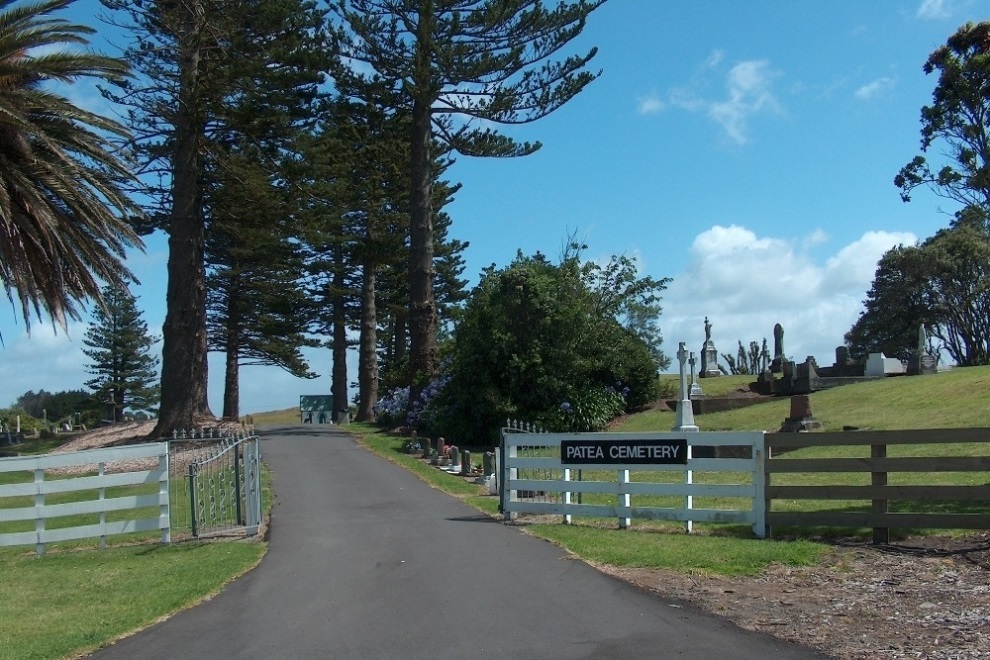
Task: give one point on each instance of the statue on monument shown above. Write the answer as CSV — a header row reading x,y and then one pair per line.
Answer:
x,y
709,356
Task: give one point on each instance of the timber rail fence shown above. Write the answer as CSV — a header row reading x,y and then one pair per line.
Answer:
x,y
197,486
878,468
88,518
779,486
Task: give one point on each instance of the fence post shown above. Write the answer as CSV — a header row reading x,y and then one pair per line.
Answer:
x,y
767,503
624,513
192,498
689,499
39,503
759,488
880,534
567,495
238,510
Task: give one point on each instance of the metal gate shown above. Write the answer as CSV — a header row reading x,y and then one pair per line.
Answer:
x,y
224,484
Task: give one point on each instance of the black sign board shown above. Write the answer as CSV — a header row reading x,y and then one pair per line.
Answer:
x,y
641,452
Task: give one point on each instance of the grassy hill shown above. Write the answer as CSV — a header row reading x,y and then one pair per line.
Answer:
x,y
957,398
952,399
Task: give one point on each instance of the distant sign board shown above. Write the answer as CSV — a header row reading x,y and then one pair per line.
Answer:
x,y
634,452
315,408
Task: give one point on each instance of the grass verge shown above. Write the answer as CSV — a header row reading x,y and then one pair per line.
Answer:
x,y
72,602
645,547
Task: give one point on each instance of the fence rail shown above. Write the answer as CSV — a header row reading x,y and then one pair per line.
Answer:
x,y
880,494
536,481
49,478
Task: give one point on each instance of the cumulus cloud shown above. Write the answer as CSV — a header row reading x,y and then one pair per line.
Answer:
x,y
745,283
875,89
933,9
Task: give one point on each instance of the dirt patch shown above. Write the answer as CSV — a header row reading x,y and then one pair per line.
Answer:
x,y
921,598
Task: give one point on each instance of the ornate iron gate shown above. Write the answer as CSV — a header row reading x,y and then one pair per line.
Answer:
x,y
225,488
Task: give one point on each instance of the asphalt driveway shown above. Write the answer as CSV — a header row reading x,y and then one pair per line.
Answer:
x,y
367,561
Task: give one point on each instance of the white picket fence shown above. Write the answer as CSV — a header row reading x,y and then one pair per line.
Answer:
x,y
534,480
93,460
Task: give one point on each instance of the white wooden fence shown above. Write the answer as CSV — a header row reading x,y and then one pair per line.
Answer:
x,y
49,484
534,480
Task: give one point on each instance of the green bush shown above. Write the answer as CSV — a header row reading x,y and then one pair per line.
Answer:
x,y
535,336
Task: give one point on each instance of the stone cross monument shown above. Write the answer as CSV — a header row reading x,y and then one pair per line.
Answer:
x,y
685,409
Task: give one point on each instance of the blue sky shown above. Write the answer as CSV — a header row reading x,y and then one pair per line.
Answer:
x,y
745,149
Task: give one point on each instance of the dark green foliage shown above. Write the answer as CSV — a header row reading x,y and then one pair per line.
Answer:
x,y
943,283
956,122
119,347
53,407
541,342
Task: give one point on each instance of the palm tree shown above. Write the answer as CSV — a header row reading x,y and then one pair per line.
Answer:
x,y
63,212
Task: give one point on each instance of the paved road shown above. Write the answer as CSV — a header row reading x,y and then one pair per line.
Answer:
x,y
366,561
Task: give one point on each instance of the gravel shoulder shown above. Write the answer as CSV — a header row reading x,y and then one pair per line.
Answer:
x,y
921,598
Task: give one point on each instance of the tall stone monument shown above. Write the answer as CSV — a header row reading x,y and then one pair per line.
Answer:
x,y
685,409
921,362
709,356
776,364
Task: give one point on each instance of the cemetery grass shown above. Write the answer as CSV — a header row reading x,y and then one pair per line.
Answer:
x,y
951,399
70,602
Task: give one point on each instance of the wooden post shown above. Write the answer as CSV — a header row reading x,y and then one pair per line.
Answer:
x,y
880,534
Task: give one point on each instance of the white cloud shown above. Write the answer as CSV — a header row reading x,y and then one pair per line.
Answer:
x,y
714,59
45,360
749,89
933,9
749,94
650,104
875,89
745,283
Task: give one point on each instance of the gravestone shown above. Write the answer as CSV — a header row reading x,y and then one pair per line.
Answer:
x,y
709,355
466,463
921,362
776,364
696,392
800,418
685,410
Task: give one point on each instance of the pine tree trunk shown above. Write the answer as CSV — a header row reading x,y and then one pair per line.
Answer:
x,y
422,308
184,374
338,385
231,382
368,354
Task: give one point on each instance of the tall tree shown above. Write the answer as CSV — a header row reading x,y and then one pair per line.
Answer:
x,y
958,121
897,302
257,311
446,63
943,283
174,50
196,60
120,349
62,206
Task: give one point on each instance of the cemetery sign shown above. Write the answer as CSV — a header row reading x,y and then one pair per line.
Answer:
x,y
623,452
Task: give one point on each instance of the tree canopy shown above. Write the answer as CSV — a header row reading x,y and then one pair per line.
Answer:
x,y
542,342
455,65
958,120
